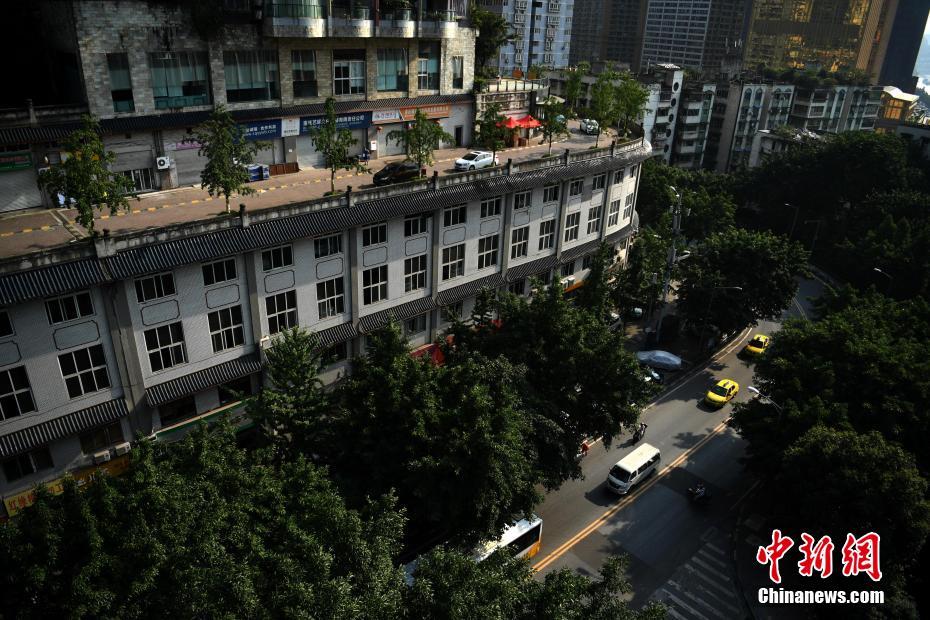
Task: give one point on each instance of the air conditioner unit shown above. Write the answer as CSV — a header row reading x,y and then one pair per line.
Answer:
x,y
570,280
163,162
101,457
122,448
265,342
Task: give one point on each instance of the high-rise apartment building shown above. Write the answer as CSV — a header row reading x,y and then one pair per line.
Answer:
x,y
608,31
542,33
693,124
272,66
898,44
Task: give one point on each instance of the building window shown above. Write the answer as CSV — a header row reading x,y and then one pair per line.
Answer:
x,y
491,207
84,371
220,271
177,410
70,307
551,193
487,251
6,326
374,285
632,171
154,287
15,393
428,66
101,438
416,325
339,352
628,208
594,219
599,182
327,246
518,287
251,75
392,69
415,225
142,179
522,200
587,261
330,297
546,234
454,216
275,258
165,346
348,72
452,312
180,79
120,82
281,310
415,273
226,328
519,242
619,176
572,223
458,72
575,187
613,214
26,464
235,390
568,269
303,73
373,235
453,262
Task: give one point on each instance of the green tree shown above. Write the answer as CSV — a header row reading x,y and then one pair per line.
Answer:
x,y
629,99
333,143
604,101
580,380
84,178
762,264
595,296
414,426
420,139
450,585
199,530
291,410
639,284
553,122
493,31
574,81
222,141
491,132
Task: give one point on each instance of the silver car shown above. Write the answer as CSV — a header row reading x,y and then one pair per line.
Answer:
x,y
476,160
589,126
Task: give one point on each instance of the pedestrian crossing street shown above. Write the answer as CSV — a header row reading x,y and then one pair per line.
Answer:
x,y
703,588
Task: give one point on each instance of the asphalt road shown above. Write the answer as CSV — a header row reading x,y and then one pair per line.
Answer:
x,y
680,554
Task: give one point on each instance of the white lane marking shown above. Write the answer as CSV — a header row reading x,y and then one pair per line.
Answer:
x,y
705,592
683,605
711,569
698,600
709,582
671,611
716,548
711,558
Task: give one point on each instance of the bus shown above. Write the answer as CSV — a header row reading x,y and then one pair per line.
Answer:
x,y
523,539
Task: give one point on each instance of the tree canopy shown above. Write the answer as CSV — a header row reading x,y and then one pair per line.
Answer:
x,y
83,179
333,142
420,139
493,31
491,132
554,124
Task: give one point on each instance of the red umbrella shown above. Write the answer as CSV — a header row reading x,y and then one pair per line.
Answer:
x,y
510,123
529,122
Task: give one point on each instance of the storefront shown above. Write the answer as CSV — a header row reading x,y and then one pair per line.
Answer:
x,y
186,164
135,156
385,122
357,122
18,181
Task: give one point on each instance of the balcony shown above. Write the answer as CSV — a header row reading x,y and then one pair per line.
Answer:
x,y
294,19
398,23
352,21
440,24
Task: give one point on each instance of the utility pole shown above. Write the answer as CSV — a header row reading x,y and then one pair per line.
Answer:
x,y
676,231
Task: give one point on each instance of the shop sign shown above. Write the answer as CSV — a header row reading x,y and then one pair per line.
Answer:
x,y
431,111
290,127
186,146
19,160
262,130
82,477
385,116
355,120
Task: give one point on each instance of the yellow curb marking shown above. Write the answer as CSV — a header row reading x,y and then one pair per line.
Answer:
x,y
46,227
166,206
180,204
104,217
136,211
7,234
195,201
25,230
152,209
318,180
120,213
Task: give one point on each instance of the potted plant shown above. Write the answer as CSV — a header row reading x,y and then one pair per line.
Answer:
x,y
400,9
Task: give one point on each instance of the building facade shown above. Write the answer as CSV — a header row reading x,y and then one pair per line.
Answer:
x,y
693,124
897,107
899,43
768,142
151,331
661,114
542,34
834,109
608,32
151,77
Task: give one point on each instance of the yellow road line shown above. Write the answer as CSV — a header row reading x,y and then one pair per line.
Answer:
x,y
152,209
26,230
46,227
584,533
104,217
7,234
195,201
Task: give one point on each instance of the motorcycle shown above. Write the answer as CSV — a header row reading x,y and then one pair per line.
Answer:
x,y
639,433
698,494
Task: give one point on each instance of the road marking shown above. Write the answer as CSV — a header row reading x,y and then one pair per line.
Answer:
x,y
685,606
195,201
701,601
27,230
710,557
688,567
7,234
710,568
597,523
46,227
671,611
704,591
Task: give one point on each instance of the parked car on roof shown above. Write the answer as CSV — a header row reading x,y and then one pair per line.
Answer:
x,y
476,160
397,172
589,126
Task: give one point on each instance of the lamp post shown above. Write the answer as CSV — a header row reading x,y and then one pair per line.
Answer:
x,y
756,391
816,230
890,280
710,304
794,220
676,231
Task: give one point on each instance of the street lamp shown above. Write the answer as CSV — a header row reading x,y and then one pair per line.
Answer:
x,y
756,391
794,220
676,231
816,230
710,303
890,280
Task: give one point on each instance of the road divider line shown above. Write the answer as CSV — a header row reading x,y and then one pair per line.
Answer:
x,y
587,530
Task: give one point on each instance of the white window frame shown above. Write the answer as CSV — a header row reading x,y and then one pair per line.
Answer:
x,y
613,214
575,187
162,286
594,219
547,234
487,251
330,297
20,397
599,182
519,242
415,273
175,349
522,200
277,258
572,225
415,225
453,262
491,207
628,208
374,235
374,290
70,307
219,271
327,246
284,316
93,377
454,216
227,332
551,193
415,325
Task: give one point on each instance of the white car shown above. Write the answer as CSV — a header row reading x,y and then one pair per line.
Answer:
x,y
589,126
476,160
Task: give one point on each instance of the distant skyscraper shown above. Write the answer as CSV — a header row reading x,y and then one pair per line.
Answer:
x,y
542,32
828,34
608,31
899,43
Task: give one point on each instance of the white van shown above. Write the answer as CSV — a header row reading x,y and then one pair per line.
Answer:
x,y
633,468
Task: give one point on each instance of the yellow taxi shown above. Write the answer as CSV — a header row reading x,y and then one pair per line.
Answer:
x,y
722,393
757,345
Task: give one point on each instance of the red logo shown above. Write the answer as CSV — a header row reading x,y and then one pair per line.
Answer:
x,y
773,553
860,555
817,557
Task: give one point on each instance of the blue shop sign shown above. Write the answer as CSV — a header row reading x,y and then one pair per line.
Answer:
x,y
354,120
262,130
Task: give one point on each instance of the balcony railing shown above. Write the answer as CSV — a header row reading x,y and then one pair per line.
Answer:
x,y
294,9
167,103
